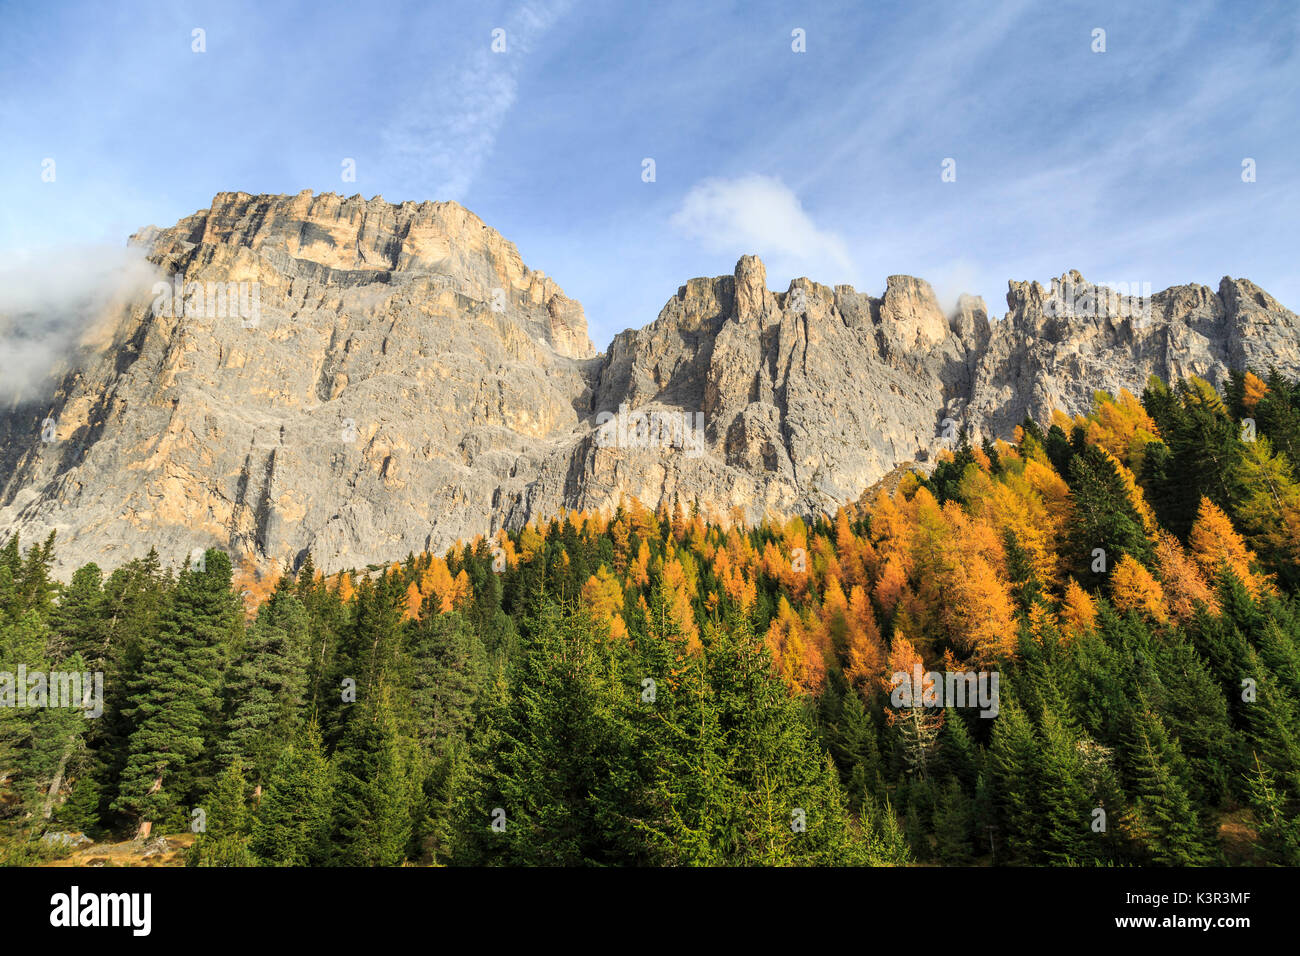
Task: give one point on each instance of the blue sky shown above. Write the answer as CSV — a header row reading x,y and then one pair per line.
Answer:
x,y
1126,165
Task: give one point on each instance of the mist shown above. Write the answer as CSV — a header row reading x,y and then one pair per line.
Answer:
x,y
50,299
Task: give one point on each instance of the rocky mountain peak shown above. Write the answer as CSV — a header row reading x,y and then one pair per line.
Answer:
x,y
376,241
970,321
910,308
753,300
408,382
1242,295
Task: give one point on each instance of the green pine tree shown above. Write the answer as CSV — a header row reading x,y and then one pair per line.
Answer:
x,y
292,826
1166,822
225,819
265,690
175,701
376,788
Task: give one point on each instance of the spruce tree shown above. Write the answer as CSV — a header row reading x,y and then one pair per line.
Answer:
x,y
1276,818
265,690
449,668
135,598
1063,795
376,788
1013,762
953,826
1101,516
292,825
1166,822
79,620
175,701
562,770
856,750
225,816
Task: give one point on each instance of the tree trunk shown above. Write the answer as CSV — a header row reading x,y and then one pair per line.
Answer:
x,y
57,782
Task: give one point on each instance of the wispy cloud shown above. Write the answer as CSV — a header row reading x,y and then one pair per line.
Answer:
x,y
446,129
51,299
1123,165
760,214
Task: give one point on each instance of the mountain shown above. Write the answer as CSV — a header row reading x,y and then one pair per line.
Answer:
x,y
359,379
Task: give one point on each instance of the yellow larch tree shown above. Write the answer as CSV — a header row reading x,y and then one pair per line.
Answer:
x,y
414,600
1120,426
891,585
1215,544
852,570
865,654
824,563
891,530
531,541
803,672
679,593
639,572
602,595
447,592
1078,611
1184,583
736,585
979,612
620,531
1132,588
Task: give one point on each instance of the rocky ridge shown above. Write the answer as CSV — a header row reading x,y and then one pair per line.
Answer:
x,y
399,379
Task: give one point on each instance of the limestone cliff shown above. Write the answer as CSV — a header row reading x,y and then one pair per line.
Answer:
x,y
360,379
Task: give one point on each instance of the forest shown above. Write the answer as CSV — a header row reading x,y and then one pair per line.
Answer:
x,y
666,687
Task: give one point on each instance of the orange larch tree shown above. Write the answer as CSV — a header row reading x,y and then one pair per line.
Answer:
x,y
1078,611
865,654
1215,545
803,672
1184,583
602,595
1132,588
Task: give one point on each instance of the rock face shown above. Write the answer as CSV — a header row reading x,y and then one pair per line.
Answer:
x,y
393,378
1057,345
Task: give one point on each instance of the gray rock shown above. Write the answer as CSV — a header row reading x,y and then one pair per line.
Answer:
x,y
408,382
68,841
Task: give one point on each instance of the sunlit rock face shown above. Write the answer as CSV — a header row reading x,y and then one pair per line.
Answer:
x,y
358,379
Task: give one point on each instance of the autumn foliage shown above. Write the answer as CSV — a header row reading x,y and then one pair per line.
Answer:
x,y
958,566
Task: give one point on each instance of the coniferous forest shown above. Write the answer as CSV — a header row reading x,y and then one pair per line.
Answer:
x,y
675,688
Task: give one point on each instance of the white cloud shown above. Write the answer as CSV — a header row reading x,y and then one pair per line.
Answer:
x,y
760,214
51,298
445,131
956,277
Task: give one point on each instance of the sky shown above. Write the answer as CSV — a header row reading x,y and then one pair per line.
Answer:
x,y
816,135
